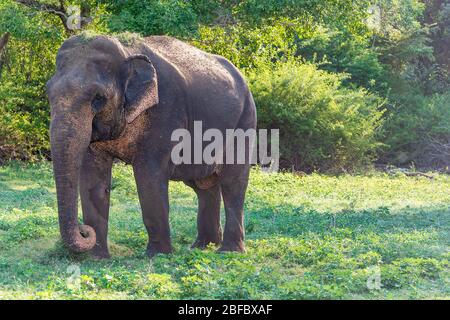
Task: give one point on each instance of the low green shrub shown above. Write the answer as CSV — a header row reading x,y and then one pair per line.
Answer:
x,y
418,130
322,124
24,121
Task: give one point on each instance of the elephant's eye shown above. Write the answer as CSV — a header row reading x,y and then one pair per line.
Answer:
x,y
98,103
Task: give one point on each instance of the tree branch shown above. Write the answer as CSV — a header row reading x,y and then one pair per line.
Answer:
x,y
59,11
3,42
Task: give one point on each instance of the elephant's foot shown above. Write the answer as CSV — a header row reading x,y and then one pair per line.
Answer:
x,y
156,248
203,241
232,246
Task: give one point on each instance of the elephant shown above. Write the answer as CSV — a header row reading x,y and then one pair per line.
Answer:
x,y
113,100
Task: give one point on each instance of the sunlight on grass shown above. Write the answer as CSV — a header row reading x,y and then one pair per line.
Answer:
x,y
308,237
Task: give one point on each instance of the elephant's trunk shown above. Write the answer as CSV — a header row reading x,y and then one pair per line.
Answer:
x,y
70,139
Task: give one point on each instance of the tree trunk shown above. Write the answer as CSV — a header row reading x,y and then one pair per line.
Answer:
x,y
3,42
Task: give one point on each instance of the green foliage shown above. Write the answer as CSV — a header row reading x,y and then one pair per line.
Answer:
x,y
312,237
23,130
29,63
341,14
339,52
415,124
245,47
322,124
417,82
172,17
398,17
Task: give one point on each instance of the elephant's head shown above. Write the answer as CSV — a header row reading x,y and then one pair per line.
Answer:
x,y
98,88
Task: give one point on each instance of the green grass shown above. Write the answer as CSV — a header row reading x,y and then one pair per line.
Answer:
x,y
312,237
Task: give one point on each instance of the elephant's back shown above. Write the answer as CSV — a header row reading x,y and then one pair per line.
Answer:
x,y
196,65
182,54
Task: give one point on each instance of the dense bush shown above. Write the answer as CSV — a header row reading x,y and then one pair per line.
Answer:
x,y
322,124
23,131
418,130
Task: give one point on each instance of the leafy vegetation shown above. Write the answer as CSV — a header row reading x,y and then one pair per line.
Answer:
x,y
391,59
328,126
308,237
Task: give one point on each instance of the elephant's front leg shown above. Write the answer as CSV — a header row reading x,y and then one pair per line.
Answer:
x,y
95,185
152,185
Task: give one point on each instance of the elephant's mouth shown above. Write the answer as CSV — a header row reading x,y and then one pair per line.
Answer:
x,y
102,132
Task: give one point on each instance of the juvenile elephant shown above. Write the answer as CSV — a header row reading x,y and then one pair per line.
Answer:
x,y
111,100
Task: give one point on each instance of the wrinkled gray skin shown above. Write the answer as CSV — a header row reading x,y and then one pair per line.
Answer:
x,y
111,101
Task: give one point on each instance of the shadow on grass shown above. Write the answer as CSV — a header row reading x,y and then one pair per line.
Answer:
x,y
267,223
294,221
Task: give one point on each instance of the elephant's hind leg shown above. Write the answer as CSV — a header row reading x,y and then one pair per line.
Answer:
x,y
208,218
234,186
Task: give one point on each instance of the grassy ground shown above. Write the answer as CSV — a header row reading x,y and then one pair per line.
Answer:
x,y
312,237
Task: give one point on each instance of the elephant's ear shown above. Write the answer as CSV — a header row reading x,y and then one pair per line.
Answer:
x,y
141,86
